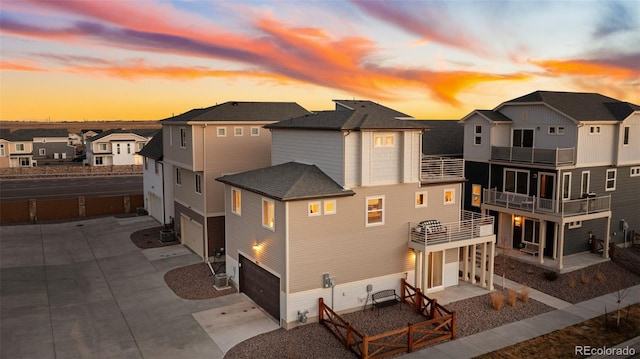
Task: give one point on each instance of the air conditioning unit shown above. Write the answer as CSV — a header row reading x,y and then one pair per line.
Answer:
x,y
221,281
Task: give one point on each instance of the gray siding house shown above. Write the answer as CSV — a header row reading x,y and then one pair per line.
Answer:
x,y
559,170
348,207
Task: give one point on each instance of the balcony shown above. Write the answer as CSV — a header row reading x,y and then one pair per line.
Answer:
x,y
441,169
432,232
556,157
533,204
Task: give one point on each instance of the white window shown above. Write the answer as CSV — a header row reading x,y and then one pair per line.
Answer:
x,y
383,140
198,183
449,196
129,149
576,224
179,176
314,209
25,162
330,206
222,131
118,148
19,147
625,141
236,201
477,139
237,131
255,131
566,185
375,210
516,181
42,151
2,150
584,182
102,146
421,199
556,130
635,171
594,130
611,180
268,214
99,160
183,137
476,191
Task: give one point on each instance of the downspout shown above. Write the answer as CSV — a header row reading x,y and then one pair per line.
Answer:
x,y
204,195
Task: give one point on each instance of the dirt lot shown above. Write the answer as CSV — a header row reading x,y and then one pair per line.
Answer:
x,y
77,126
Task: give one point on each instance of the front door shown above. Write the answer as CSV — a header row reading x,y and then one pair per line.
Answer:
x,y
435,268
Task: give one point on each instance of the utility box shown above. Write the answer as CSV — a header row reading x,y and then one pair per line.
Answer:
x,y
221,281
167,235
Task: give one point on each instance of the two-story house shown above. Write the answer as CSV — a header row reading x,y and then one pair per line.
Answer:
x,y
203,144
117,147
156,181
17,146
560,170
48,143
5,141
347,208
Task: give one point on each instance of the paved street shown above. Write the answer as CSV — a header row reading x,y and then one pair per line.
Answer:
x,y
52,188
84,290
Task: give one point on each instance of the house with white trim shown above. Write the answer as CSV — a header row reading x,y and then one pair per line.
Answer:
x,y
117,147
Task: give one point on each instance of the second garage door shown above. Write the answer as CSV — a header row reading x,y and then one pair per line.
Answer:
x,y
261,286
191,234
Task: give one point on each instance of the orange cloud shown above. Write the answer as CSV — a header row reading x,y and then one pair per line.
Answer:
x,y
587,68
7,65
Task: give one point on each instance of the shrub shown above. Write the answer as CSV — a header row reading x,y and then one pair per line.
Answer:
x,y
497,300
600,277
512,295
551,275
572,282
524,294
585,278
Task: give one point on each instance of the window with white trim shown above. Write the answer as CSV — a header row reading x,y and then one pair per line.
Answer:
x,y
516,181
268,214
314,208
584,182
42,151
375,210
330,206
236,201
594,130
19,147
183,137
476,193
221,131
625,140
129,149
237,131
99,160
574,225
2,150
179,176
566,185
449,196
198,183
102,146
421,199
556,130
634,172
255,131
477,131
610,184
118,148
383,140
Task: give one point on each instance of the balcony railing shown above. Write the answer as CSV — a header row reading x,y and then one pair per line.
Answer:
x,y
533,204
471,225
556,156
441,169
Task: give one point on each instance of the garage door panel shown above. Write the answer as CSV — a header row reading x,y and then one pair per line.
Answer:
x,y
261,286
156,208
192,236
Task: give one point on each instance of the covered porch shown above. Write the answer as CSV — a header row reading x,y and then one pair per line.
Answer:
x,y
570,263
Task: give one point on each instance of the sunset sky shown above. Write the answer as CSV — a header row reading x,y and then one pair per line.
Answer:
x,y
146,59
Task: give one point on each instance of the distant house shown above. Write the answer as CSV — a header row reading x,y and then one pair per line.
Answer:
x,y
46,143
559,170
117,147
157,183
5,142
348,207
203,144
86,134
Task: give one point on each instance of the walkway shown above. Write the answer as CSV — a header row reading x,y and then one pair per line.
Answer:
x,y
565,314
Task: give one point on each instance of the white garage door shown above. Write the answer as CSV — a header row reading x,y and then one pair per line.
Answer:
x,y
191,234
156,207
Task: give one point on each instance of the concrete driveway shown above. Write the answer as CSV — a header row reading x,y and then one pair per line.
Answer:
x,y
84,290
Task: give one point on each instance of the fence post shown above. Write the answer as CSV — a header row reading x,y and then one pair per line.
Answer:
x,y
418,301
365,347
347,342
433,313
320,310
403,287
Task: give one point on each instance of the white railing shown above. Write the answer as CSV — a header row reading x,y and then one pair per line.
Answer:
x,y
471,225
552,156
533,204
438,169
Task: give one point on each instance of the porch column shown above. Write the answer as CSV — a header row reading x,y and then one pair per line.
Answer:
x,y
425,272
605,250
560,245
465,263
418,269
555,240
483,265
542,238
492,254
472,275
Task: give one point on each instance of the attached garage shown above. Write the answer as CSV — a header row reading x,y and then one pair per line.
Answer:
x,y
261,286
192,235
155,207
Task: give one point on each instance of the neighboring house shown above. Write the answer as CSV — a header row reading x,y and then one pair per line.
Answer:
x,y
203,144
560,170
46,143
18,148
87,134
157,183
5,142
117,147
337,215
75,139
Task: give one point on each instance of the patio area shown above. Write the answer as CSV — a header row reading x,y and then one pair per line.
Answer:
x,y
570,262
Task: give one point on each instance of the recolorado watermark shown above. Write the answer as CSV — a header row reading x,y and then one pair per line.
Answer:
x,y
588,350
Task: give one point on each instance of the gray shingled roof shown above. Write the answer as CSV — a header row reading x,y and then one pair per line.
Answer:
x,y
153,148
445,138
494,115
370,107
581,106
287,181
30,133
340,120
242,111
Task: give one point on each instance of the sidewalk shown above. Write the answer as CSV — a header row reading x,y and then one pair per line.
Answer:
x,y
565,314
